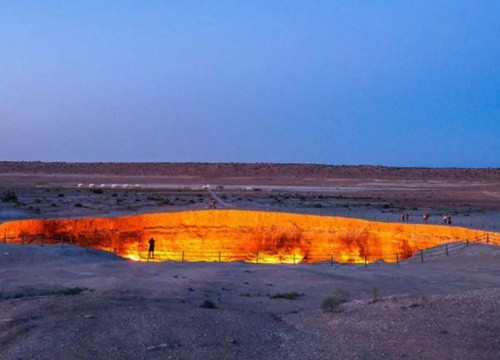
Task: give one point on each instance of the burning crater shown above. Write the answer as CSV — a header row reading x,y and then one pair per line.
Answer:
x,y
235,235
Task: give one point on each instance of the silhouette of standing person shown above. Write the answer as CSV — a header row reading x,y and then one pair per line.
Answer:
x,y
213,204
151,250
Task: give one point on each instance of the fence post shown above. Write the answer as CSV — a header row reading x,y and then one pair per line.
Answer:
x,y
62,241
447,253
397,258
467,242
182,257
41,240
293,259
487,238
421,255
331,260
219,256
257,258
365,260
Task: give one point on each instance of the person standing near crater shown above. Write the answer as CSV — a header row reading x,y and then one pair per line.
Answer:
x,y
425,217
151,250
213,204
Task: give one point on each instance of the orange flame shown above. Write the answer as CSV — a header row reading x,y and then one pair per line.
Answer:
x,y
236,235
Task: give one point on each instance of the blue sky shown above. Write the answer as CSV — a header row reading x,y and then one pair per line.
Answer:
x,y
403,83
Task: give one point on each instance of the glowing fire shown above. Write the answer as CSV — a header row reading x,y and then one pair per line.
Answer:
x,y
133,257
235,235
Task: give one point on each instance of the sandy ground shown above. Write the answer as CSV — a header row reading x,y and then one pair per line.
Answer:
x,y
446,308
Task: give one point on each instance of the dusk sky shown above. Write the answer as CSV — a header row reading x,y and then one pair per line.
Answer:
x,y
402,83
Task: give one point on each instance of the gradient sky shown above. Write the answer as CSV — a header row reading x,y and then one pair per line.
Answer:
x,y
403,83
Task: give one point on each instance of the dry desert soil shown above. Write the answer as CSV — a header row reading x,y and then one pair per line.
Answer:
x,y
77,303
73,303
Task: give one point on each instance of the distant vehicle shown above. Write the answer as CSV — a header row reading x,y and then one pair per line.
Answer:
x,y
80,185
205,187
102,186
91,186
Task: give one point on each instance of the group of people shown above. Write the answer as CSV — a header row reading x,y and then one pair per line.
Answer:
x,y
405,217
425,218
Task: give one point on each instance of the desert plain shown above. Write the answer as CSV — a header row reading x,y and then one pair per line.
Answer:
x,y
63,301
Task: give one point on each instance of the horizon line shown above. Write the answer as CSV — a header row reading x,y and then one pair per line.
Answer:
x,y
246,163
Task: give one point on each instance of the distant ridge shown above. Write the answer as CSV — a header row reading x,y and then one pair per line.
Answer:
x,y
267,170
